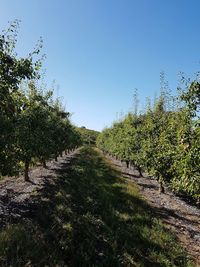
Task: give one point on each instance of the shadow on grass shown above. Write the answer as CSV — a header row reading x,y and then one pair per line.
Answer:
x,y
89,216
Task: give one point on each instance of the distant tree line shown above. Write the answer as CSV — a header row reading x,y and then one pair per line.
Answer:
x,y
88,136
163,141
33,124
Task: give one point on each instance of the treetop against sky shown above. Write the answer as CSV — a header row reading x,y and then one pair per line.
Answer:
x,y
99,51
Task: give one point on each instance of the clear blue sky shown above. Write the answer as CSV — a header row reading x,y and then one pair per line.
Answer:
x,y
98,51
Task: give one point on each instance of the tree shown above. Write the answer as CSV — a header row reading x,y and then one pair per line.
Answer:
x,y
13,71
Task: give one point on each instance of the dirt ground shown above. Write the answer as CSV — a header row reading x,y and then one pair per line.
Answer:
x,y
178,216
15,193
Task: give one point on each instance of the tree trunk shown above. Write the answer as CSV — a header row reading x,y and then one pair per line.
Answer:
x,y
161,187
127,163
44,163
26,177
140,171
56,158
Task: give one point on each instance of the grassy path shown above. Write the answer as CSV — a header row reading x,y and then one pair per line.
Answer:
x,y
89,216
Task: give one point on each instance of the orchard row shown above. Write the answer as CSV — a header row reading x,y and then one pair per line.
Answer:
x,y
33,124
163,141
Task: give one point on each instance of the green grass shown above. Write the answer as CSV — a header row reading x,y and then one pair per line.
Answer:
x,y
90,216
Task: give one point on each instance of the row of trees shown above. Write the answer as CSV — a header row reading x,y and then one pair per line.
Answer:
x,y
163,141
32,124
